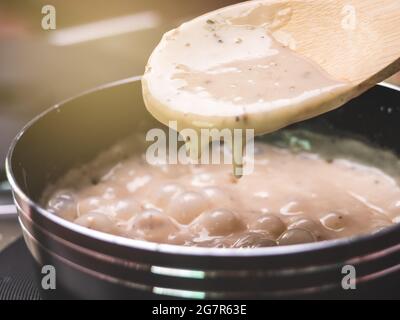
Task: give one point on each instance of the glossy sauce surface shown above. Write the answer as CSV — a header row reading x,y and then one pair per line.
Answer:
x,y
227,70
294,196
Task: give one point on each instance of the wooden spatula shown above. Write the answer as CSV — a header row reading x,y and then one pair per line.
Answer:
x,y
353,40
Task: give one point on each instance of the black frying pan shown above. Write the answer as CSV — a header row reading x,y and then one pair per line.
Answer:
x,y
91,264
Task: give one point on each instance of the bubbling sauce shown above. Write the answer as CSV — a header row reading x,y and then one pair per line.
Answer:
x,y
300,192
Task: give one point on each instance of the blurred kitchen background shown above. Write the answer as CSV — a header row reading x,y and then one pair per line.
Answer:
x,y
95,42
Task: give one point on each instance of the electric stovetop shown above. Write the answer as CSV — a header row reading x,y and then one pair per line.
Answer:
x,y
17,273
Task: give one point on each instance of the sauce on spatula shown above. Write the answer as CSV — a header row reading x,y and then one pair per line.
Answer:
x,y
225,70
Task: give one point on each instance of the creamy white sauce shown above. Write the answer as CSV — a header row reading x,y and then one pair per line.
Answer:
x,y
235,69
227,69
293,196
